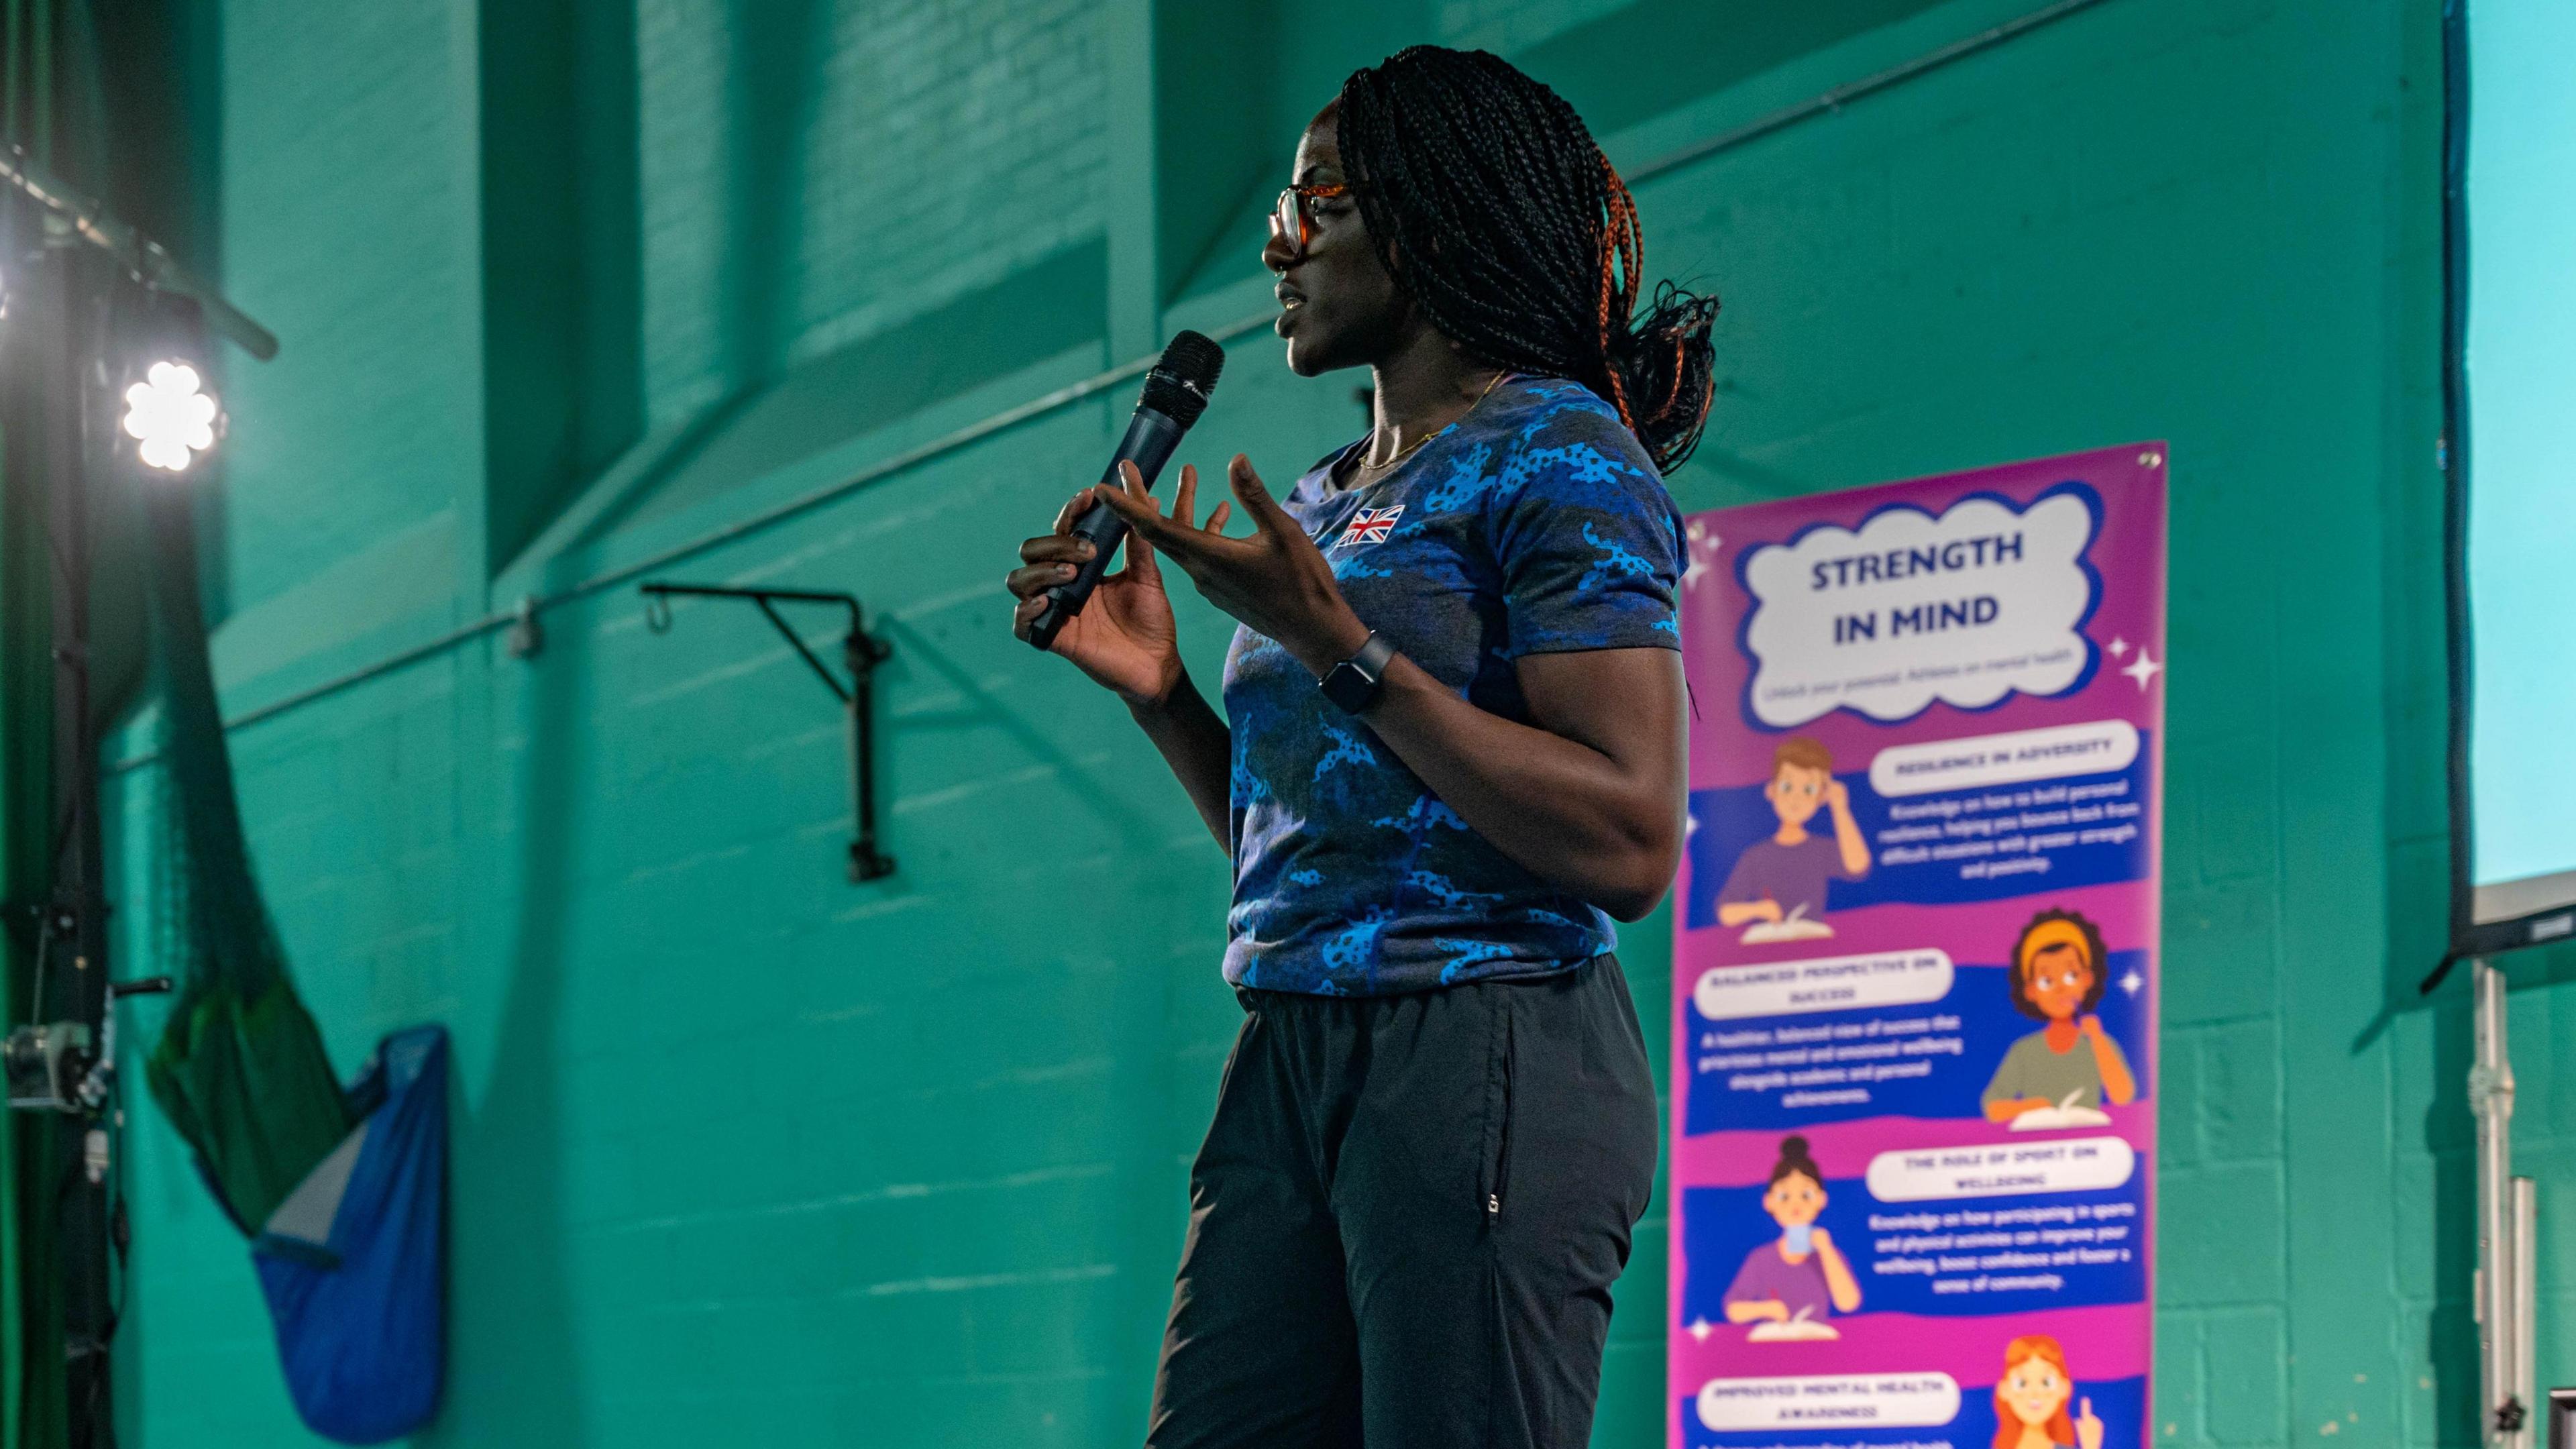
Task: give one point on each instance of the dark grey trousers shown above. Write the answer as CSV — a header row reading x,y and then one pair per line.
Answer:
x,y
1407,1217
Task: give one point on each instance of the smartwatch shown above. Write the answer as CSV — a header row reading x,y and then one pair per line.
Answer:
x,y
1353,684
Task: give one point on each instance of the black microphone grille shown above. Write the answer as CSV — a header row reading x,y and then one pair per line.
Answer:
x,y
1182,378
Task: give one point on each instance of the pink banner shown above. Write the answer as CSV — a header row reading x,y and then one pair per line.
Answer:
x,y
1914,1017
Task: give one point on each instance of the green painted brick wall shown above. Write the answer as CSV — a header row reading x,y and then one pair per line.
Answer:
x,y
746,1154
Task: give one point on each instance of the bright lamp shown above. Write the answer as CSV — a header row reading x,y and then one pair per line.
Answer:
x,y
171,415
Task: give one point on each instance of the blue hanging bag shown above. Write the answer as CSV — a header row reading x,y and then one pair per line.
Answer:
x,y
354,1260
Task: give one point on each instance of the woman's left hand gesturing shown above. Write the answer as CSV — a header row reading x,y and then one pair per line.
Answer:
x,y
1276,581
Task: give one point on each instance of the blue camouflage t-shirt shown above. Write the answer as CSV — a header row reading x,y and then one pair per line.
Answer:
x,y
1534,524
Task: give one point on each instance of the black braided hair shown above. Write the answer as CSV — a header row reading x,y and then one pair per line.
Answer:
x,y
1494,209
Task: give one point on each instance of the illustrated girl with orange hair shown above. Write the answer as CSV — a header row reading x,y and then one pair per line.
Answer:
x,y
2059,970
2030,1401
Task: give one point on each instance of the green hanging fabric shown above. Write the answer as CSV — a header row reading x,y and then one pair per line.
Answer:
x,y
240,1067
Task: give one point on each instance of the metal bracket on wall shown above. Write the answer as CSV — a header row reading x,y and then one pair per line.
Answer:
x,y
861,653
527,636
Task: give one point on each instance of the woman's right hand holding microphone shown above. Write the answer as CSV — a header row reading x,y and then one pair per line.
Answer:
x,y
1124,637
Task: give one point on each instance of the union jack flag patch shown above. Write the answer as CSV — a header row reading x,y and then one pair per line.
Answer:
x,y
1370,525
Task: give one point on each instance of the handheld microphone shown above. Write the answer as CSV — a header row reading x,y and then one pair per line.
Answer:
x,y
1176,392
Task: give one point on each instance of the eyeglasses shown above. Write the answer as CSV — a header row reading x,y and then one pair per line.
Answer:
x,y
1294,221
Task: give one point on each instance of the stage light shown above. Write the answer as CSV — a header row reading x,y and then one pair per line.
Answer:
x,y
170,414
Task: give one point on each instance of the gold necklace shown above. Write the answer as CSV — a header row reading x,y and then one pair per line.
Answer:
x,y
1409,449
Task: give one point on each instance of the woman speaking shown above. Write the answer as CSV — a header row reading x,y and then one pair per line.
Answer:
x,y
1452,751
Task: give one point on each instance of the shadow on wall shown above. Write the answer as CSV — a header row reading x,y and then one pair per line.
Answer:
x,y
513,1354
2450,1141
770,92
1048,307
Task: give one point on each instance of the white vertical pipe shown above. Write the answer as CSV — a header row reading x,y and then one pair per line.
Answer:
x,y
2491,1098
2526,1306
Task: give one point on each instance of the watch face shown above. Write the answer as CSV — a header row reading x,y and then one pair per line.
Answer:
x,y
1348,687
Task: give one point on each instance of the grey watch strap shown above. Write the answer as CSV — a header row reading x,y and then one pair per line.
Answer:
x,y
1353,684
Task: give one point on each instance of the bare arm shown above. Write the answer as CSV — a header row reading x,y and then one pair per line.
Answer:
x,y
1196,744
2118,1086
1839,1281
1848,839
1736,913
1587,797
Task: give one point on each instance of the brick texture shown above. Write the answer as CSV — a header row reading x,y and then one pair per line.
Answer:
x,y
746,1154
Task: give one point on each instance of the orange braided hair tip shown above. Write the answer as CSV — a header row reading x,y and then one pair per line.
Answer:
x,y
1622,262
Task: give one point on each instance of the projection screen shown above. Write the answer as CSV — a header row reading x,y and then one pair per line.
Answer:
x,y
2510,375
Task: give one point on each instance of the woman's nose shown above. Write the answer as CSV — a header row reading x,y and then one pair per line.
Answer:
x,y
1276,254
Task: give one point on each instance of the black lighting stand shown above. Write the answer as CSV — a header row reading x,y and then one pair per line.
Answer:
x,y
69,261
861,653
57,1072
94,1229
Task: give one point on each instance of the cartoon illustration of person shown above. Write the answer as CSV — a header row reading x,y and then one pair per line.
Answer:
x,y
2059,1075
1777,888
2030,1402
1785,1285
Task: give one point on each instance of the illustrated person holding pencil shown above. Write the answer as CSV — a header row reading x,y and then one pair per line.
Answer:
x,y
2058,974
1781,878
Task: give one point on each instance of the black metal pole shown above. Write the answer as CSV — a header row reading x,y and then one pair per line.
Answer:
x,y
862,654
79,994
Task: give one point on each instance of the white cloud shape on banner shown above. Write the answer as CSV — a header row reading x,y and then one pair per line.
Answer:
x,y
1967,608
